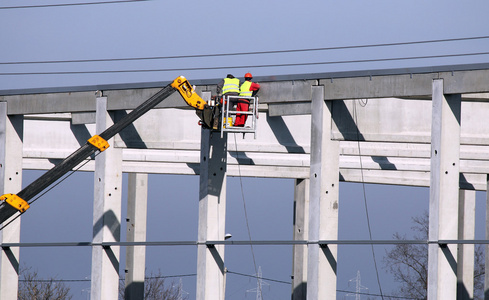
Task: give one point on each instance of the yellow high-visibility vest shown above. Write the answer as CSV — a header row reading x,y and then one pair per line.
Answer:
x,y
230,85
245,89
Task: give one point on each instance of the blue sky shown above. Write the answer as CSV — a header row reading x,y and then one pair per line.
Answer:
x,y
160,28
150,29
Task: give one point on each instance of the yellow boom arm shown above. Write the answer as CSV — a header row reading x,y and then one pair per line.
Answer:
x,y
188,93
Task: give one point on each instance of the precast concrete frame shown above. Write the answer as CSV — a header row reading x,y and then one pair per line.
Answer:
x,y
416,127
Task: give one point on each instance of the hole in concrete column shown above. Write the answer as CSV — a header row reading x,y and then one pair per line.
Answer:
x,y
326,192
315,175
446,172
436,152
110,194
204,158
214,174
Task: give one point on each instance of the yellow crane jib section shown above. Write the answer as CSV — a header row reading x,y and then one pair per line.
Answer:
x,y
99,142
15,201
188,93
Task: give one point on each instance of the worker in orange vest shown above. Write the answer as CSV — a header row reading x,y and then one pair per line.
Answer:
x,y
247,89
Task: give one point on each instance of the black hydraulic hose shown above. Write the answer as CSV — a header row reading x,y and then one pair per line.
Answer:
x,y
51,176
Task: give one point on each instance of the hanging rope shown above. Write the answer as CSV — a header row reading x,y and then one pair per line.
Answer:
x,y
363,104
246,214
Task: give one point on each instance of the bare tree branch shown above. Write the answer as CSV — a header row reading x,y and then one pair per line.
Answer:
x,y
33,288
408,263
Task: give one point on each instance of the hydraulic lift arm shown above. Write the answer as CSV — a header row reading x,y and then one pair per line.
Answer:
x,y
16,204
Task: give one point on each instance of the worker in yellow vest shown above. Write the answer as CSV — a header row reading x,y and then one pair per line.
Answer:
x,y
229,86
247,89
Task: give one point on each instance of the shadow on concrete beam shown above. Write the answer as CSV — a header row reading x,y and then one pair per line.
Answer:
x,y
283,135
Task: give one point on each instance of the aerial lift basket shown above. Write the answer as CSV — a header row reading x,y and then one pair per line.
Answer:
x,y
229,113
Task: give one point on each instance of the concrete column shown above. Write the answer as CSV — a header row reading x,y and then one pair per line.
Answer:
x,y
137,201
299,252
106,213
486,247
466,231
11,135
323,201
212,215
444,191
212,207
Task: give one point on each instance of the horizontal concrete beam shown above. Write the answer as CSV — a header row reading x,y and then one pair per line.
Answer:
x,y
422,179
50,103
289,109
462,82
286,91
377,86
405,85
404,121
361,87
130,99
469,181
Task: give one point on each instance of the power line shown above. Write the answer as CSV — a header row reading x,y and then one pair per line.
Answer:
x,y
54,280
192,275
71,4
170,276
88,280
247,242
254,276
245,53
243,66
390,296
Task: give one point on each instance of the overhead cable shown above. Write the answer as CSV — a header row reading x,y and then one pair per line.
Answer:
x,y
88,280
370,294
193,275
263,278
246,242
246,53
70,4
242,66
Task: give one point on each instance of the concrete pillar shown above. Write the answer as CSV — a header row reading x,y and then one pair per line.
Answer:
x,y
444,191
486,247
212,215
323,201
466,231
11,136
299,252
106,213
137,201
